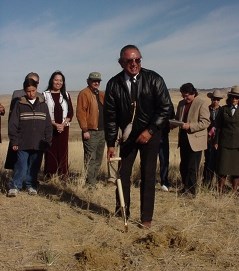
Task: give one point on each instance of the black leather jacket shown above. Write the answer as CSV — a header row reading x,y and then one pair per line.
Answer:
x,y
153,105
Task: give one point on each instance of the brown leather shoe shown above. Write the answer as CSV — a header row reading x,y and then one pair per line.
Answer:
x,y
146,224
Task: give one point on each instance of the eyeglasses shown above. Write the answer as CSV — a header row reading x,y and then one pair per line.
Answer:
x,y
132,60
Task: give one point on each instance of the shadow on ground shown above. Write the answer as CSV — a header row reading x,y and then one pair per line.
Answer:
x,y
53,192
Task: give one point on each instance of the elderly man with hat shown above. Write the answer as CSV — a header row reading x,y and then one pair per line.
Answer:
x,y
89,113
227,142
211,153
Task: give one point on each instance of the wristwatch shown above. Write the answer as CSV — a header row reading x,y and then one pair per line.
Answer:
x,y
151,132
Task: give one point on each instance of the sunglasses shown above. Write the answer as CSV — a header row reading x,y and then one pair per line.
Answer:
x,y
132,60
216,99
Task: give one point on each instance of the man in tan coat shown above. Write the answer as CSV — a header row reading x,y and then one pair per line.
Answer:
x,y
194,114
89,113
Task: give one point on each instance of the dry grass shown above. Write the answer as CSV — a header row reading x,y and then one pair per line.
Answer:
x,y
71,228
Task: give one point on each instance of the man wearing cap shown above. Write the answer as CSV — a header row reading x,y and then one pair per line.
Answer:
x,y
89,113
211,153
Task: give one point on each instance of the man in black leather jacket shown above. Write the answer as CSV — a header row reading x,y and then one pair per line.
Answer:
x,y
141,119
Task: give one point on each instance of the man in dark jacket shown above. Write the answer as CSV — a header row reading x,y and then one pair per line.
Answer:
x,y
138,102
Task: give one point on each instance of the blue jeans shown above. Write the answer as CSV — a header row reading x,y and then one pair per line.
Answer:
x,y
164,159
26,169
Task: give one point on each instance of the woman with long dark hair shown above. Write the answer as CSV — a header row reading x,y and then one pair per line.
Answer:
x,y
61,112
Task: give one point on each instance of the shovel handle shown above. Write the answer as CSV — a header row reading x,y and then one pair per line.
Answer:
x,y
112,159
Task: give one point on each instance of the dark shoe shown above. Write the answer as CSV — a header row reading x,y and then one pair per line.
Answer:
x,y
146,225
182,191
118,213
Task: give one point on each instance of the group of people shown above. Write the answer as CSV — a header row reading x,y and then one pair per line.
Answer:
x,y
38,124
222,145
137,103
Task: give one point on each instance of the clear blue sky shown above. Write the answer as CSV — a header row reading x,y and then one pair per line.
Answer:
x,y
183,40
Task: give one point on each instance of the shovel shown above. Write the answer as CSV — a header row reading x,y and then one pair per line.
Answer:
x,y
115,178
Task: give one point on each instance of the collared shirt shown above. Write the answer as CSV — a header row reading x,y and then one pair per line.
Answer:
x,y
128,82
233,109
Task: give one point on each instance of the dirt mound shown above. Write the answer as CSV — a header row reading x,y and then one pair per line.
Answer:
x,y
99,258
135,254
167,237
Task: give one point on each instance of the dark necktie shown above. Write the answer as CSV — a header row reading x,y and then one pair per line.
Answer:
x,y
134,88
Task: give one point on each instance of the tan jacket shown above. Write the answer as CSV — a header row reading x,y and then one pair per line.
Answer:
x,y
87,112
199,119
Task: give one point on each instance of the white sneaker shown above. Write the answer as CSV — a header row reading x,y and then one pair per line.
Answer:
x,y
12,192
164,188
32,191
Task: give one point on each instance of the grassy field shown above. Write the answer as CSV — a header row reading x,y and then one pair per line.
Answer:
x,y
71,228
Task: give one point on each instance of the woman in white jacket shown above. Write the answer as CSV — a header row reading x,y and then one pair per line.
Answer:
x,y
61,112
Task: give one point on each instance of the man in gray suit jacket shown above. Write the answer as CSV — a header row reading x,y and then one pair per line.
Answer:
x,y
194,114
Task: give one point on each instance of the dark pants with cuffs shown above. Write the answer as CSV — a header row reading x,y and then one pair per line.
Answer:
x,y
189,164
163,154
148,162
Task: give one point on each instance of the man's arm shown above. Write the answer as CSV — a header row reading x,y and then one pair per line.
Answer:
x,y
110,116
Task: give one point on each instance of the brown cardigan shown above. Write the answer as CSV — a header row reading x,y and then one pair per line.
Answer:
x,y
87,112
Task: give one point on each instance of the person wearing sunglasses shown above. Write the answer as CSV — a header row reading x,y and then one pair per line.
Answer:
x,y
138,102
89,113
227,142
210,153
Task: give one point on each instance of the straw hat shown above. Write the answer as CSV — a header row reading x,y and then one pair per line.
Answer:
x,y
215,94
234,91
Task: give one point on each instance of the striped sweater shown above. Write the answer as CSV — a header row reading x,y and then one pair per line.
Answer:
x,y
30,126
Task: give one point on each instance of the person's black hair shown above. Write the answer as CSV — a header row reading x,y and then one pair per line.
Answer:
x,y
188,88
63,88
29,82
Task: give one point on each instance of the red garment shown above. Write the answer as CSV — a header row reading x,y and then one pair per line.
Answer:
x,y
56,158
185,112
